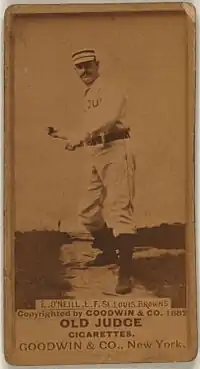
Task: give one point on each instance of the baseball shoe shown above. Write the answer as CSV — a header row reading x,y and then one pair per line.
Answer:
x,y
124,285
103,259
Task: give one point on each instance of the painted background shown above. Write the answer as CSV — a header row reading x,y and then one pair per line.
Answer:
x,y
147,54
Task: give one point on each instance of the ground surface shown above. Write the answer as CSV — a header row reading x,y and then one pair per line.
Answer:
x,y
156,273
158,266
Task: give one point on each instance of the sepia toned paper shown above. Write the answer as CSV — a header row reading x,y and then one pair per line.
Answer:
x,y
78,181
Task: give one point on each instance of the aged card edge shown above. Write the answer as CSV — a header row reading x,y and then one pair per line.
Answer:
x,y
191,284
9,208
23,9
190,11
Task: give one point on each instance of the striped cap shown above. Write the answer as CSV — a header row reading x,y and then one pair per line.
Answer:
x,y
84,55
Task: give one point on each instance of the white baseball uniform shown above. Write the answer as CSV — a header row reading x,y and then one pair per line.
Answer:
x,y
112,168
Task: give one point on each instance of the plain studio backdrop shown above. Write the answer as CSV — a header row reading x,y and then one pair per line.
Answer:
x,y
147,54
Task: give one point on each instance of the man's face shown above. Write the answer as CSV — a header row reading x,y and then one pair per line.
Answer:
x,y
88,71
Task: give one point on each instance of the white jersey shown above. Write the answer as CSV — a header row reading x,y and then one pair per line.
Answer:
x,y
104,104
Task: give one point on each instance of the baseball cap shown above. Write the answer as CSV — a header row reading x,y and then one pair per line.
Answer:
x,y
83,55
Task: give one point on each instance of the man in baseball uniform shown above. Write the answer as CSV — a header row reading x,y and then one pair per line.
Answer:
x,y
105,134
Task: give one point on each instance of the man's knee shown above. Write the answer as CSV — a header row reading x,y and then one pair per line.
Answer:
x,y
91,223
84,216
87,224
84,220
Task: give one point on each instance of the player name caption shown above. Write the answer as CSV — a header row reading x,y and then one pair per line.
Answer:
x,y
99,304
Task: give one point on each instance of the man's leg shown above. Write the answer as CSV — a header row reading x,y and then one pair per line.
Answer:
x,y
125,243
118,178
93,221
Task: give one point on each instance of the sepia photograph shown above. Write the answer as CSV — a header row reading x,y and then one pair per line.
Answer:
x,y
100,159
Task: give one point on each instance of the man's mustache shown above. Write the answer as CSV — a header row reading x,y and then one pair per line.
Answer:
x,y
85,74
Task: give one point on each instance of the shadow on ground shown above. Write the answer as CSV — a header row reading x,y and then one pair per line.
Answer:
x,y
163,275
37,265
165,236
37,262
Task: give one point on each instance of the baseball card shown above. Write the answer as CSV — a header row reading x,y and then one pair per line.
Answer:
x,y
99,255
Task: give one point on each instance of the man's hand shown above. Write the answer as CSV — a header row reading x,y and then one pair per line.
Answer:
x,y
74,140
69,147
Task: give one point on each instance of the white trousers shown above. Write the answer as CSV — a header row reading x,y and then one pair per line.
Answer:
x,y
112,183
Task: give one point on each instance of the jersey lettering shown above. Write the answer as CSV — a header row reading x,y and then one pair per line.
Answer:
x,y
94,103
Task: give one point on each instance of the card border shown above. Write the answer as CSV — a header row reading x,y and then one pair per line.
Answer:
x,y
9,204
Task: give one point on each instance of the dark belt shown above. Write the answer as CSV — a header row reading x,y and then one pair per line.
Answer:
x,y
109,137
